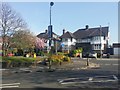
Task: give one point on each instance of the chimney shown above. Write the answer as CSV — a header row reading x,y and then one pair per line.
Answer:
x,y
86,27
63,31
46,31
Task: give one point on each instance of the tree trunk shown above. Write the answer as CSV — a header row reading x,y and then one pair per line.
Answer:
x,y
87,61
50,64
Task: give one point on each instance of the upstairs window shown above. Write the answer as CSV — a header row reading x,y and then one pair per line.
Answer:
x,y
104,37
71,39
66,39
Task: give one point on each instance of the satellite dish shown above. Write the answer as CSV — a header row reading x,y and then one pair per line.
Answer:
x,y
51,3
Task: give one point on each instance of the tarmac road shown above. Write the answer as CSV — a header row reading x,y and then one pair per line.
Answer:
x,y
50,79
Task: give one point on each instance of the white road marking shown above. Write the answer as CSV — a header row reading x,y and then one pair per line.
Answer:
x,y
109,64
115,77
90,80
3,69
10,85
115,64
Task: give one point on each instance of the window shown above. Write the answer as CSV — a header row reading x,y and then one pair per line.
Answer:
x,y
65,40
104,37
97,46
71,39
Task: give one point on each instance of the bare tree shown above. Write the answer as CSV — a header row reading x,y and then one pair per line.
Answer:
x,y
10,22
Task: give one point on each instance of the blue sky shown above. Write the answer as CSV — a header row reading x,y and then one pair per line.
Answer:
x,y
70,16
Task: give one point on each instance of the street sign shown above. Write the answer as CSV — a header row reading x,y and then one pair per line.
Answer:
x,y
62,45
50,31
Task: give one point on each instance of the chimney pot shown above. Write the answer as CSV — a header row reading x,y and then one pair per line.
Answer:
x,y
63,31
46,31
87,26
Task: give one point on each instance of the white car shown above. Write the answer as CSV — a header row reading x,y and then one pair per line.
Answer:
x,y
93,55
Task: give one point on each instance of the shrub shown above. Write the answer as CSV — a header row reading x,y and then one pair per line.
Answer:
x,y
40,53
67,59
18,59
59,58
75,53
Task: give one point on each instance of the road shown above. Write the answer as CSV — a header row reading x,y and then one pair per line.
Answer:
x,y
107,64
51,79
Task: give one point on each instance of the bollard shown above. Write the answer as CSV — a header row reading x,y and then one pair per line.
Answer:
x,y
87,61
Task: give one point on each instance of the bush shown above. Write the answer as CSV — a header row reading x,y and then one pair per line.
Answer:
x,y
67,59
40,53
18,59
75,53
60,53
59,58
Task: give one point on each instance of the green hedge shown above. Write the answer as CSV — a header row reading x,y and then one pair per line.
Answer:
x,y
18,59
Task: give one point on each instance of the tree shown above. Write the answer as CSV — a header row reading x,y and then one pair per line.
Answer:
x,y
22,39
40,43
10,21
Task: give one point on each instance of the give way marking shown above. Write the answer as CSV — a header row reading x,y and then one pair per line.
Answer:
x,y
10,85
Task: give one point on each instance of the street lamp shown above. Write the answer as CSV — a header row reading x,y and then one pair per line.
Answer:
x,y
50,27
51,4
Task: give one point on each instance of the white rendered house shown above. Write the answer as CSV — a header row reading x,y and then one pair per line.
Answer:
x,y
90,39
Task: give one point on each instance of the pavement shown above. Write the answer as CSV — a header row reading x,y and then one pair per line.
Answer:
x,y
112,58
108,58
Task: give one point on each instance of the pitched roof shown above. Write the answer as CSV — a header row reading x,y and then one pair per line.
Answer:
x,y
42,35
45,35
67,35
90,32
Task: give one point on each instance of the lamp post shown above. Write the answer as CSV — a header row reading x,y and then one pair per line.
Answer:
x,y
50,34
50,27
51,4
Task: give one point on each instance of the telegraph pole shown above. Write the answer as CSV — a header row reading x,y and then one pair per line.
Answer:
x,y
100,42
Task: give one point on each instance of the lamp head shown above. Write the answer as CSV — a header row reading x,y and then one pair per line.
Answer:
x,y
51,3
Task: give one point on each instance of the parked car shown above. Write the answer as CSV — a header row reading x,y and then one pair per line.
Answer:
x,y
89,55
84,55
106,55
93,55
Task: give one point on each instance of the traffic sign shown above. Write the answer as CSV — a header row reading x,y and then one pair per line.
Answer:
x,y
62,45
50,31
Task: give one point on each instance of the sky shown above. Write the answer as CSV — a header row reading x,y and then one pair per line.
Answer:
x,y
70,16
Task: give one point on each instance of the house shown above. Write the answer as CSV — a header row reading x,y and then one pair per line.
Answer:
x,y
0,43
55,40
0,46
90,39
68,41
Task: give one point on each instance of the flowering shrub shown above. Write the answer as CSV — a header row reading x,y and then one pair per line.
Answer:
x,y
59,58
67,59
75,53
